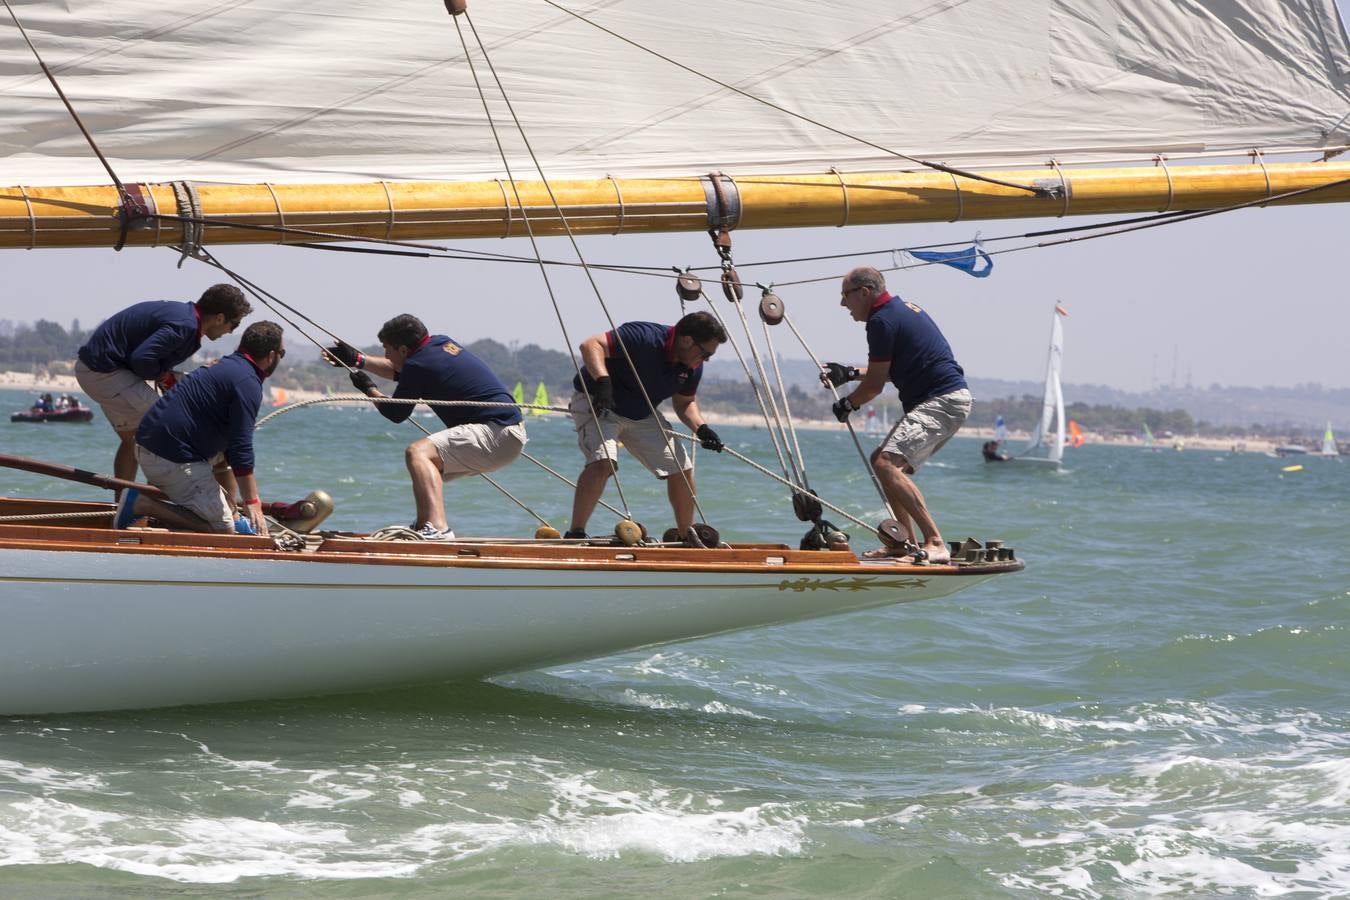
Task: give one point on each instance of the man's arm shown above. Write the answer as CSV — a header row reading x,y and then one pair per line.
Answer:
x,y
379,366
686,408
154,355
873,383
253,511
593,352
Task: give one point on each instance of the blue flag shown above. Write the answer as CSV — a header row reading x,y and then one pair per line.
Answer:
x,y
965,260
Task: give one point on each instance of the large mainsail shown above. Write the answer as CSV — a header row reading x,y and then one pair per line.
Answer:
x,y
291,94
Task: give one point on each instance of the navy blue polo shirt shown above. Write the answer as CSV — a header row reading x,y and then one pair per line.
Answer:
x,y
211,410
921,363
443,370
652,347
148,338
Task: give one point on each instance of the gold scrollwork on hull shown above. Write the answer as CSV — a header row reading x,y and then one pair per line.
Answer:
x,y
856,583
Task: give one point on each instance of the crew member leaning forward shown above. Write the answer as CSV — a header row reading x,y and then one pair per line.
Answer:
x,y
667,360
904,345
433,367
210,413
143,343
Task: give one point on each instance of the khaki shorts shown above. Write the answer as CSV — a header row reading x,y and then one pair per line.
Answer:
x,y
644,438
190,485
122,395
926,428
477,447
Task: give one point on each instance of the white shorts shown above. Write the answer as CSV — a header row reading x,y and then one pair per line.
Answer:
x,y
477,447
190,485
123,395
924,430
644,438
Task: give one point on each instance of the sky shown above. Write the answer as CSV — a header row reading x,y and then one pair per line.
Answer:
x,y
1250,298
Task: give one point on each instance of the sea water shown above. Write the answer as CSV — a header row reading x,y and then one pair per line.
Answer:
x,y
1157,705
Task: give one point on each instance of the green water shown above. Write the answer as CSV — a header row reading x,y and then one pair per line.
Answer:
x,y
1156,705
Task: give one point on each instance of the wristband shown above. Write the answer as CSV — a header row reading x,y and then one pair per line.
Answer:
x,y
254,501
360,360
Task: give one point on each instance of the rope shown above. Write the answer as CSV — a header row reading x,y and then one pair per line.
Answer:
x,y
103,513
529,229
781,480
853,434
754,385
571,237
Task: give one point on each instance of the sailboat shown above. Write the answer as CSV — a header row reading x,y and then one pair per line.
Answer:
x,y
1329,448
331,124
540,399
1150,443
1046,445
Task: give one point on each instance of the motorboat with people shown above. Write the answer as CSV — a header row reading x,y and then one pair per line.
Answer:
x,y
66,408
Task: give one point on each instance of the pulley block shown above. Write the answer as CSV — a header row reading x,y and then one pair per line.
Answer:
x,y
771,309
806,506
731,285
689,286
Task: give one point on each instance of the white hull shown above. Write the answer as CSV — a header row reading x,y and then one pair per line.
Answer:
x,y
106,630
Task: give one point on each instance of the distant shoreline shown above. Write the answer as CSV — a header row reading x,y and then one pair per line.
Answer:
x,y
24,381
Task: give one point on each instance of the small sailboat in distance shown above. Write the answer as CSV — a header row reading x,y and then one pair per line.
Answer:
x,y
1329,447
1150,443
1046,447
540,399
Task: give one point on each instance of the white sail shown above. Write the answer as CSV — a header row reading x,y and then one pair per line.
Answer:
x,y
296,92
1329,447
1049,431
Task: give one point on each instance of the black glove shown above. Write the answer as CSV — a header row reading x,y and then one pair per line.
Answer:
x,y
602,395
708,438
836,374
842,407
347,355
362,382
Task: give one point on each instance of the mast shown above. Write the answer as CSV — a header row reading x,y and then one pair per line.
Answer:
x,y
88,216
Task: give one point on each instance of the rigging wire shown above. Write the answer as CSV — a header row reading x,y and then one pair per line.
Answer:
x,y
529,228
940,167
683,474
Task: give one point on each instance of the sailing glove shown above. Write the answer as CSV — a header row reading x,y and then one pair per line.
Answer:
x,y
842,408
602,395
362,382
708,438
836,374
346,355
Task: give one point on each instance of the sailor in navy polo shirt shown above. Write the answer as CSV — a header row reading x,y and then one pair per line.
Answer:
x,y
209,413
905,347
143,343
667,361
433,367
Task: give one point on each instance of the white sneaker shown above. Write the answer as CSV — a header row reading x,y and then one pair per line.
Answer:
x,y
428,532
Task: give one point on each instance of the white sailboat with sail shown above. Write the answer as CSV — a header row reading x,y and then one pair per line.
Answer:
x,y
302,124
1046,445
1329,448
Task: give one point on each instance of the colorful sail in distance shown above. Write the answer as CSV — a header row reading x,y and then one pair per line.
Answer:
x,y
1000,429
518,393
1329,447
540,399
1075,434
